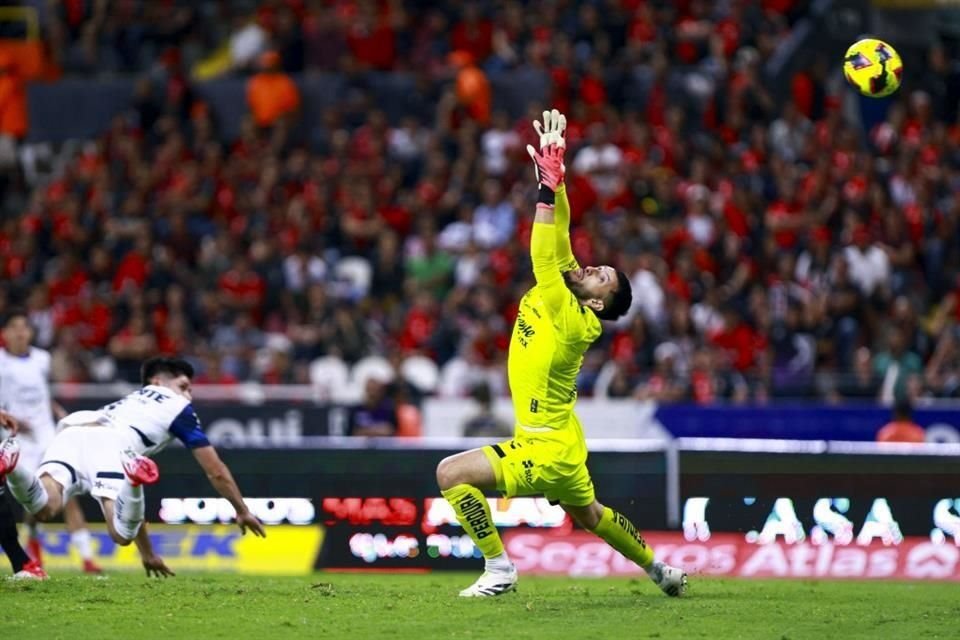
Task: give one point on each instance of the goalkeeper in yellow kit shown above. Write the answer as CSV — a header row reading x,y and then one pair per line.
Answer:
x,y
558,319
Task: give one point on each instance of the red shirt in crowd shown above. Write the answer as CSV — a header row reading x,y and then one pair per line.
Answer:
x,y
133,268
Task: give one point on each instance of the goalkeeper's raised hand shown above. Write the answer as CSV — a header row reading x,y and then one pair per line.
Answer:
x,y
552,129
548,165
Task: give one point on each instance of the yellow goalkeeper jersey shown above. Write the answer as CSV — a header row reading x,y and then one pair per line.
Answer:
x,y
551,333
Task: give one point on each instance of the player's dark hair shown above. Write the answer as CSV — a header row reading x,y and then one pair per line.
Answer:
x,y
620,301
158,365
13,314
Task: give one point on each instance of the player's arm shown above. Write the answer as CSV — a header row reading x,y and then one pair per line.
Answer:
x,y
186,427
561,213
551,132
543,238
154,564
222,480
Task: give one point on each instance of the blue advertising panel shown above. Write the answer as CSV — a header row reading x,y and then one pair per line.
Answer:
x,y
800,421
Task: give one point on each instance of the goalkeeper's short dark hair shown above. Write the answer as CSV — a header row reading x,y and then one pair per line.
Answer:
x,y
158,365
620,301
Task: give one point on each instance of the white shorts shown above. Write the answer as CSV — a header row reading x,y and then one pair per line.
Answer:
x,y
86,460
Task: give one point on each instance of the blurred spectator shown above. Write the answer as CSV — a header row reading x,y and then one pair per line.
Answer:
x,y
377,413
133,344
895,365
869,264
272,95
211,372
494,221
13,112
484,423
902,428
472,86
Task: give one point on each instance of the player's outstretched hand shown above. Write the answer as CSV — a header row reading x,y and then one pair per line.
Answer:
x,y
156,567
548,165
249,521
552,128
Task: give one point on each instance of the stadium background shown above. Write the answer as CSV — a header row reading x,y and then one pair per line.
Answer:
x,y
324,205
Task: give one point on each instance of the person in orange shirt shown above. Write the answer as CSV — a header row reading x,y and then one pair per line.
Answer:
x,y
902,428
13,99
271,93
472,86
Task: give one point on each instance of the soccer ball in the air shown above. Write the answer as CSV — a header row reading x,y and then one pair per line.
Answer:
x,y
873,67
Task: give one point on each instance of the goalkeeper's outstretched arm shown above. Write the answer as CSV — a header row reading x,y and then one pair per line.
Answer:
x,y
561,212
543,238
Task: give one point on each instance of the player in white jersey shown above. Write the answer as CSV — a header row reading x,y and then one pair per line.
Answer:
x,y
105,453
25,395
24,568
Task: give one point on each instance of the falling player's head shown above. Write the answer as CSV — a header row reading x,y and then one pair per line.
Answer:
x,y
17,332
603,289
175,374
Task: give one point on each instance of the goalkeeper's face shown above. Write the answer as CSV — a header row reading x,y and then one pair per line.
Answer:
x,y
593,286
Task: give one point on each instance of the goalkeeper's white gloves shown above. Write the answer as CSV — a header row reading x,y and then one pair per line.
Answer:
x,y
551,132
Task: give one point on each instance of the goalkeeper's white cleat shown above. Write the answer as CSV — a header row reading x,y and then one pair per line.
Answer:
x,y
671,580
492,583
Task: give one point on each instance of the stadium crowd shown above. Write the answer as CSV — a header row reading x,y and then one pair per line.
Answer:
x,y
774,250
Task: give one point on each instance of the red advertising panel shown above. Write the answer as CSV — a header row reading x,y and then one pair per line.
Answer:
x,y
578,553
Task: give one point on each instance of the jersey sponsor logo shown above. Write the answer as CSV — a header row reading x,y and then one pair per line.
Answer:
x,y
534,405
525,331
150,394
528,471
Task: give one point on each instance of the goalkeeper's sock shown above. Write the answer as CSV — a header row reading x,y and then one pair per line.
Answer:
x,y
619,533
473,514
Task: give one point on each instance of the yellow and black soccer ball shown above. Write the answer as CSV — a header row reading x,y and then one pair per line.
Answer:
x,y
873,67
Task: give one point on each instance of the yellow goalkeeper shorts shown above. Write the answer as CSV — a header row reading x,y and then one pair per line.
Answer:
x,y
554,467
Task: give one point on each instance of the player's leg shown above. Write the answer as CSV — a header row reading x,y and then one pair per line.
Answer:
x,y
8,534
621,534
121,494
31,454
80,536
39,494
462,479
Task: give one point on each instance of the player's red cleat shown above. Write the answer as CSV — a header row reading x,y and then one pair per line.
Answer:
x,y
31,571
35,550
140,469
9,455
89,566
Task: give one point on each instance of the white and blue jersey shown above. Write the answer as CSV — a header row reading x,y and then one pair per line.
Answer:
x,y
152,417
86,456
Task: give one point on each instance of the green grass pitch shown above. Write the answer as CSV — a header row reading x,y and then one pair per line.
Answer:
x,y
425,606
